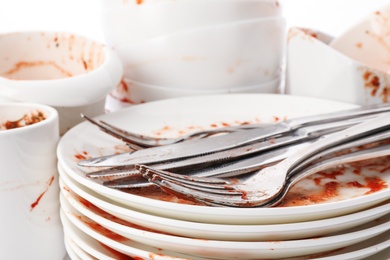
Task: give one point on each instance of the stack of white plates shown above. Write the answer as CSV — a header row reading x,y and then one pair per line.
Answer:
x,y
343,213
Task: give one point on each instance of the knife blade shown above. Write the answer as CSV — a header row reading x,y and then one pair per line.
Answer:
x,y
201,147
256,162
233,169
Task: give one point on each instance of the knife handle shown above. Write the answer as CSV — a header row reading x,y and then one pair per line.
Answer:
x,y
299,122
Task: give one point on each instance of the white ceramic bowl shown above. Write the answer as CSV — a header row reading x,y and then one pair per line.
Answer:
x,y
63,70
30,223
316,69
129,23
368,42
56,69
131,92
226,56
134,3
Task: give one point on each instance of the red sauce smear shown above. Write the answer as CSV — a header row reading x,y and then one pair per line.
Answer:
x,y
81,156
25,64
102,230
108,216
123,90
375,184
33,118
119,255
372,82
36,202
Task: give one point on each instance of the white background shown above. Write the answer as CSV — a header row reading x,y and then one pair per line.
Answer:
x,y
83,16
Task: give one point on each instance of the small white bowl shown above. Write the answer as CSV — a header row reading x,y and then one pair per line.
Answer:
x,y
316,69
56,69
138,3
129,23
63,70
368,42
30,223
131,92
226,56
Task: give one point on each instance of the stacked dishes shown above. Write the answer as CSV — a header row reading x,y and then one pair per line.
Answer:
x,y
342,213
194,47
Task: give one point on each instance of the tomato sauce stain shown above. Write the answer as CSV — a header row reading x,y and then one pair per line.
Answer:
x,y
123,93
36,202
355,184
119,255
100,229
81,156
29,64
372,82
25,120
375,184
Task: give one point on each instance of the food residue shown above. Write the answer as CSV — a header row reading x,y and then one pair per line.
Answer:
x,y
27,119
38,199
363,178
118,255
22,65
122,93
339,183
81,156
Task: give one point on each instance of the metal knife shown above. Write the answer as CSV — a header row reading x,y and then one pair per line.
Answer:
x,y
194,148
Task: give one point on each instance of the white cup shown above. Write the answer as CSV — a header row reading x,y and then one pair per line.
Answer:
x,y
58,69
30,226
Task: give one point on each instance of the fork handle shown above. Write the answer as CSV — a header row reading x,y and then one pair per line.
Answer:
x,y
379,123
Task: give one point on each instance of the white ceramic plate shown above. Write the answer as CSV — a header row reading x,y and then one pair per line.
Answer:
x,y
116,245
76,251
380,253
129,223
189,245
234,249
71,253
377,248
364,249
87,243
85,140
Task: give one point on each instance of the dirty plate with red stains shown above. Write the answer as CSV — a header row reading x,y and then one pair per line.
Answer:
x,y
203,246
139,226
71,253
115,245
77,252
342,190
179,246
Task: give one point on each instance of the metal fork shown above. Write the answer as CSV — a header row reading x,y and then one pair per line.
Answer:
x,y
246,165
234,162
269,185
230,163
196,148
133,178
139,141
